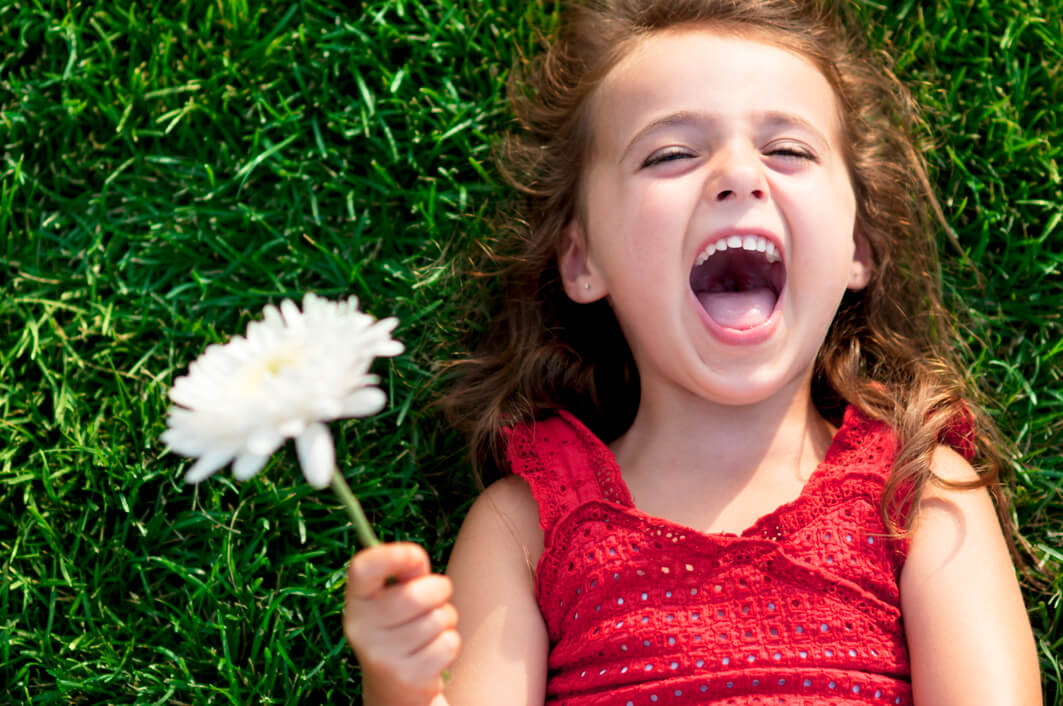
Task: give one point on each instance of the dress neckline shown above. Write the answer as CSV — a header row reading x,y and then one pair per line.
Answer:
x,y
771,525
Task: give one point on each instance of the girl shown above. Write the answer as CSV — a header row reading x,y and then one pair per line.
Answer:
x,y
739,442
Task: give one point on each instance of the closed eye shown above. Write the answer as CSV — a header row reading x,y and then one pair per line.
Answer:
x,y
789,152
670,154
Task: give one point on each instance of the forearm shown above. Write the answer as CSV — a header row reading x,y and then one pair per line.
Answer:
x,y
372,696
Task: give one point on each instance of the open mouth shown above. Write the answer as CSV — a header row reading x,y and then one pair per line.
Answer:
x,y
738,280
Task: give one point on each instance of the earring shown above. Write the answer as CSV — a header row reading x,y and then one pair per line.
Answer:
x,y
586,285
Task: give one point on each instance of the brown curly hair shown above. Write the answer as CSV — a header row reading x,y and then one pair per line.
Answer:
x,y
891,350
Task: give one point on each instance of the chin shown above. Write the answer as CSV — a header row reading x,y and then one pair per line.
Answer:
x,y
732,396
744,389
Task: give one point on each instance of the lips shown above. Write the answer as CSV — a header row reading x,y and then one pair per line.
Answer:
x,y
738,279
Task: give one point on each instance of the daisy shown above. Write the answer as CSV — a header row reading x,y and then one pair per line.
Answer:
x,y
293,372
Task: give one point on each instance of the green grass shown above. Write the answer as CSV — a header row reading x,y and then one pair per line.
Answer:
x,y
169,168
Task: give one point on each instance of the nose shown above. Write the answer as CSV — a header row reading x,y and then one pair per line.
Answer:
x,y
737,176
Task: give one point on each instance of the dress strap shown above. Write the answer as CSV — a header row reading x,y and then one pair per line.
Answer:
x,y
565,465
960,434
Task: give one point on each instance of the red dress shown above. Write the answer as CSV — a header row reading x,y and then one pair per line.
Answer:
x,y
801,608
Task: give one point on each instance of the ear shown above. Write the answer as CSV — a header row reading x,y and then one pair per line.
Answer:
x,y
581,283
860,274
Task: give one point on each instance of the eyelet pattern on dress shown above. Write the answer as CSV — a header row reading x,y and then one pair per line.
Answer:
x,y
801,608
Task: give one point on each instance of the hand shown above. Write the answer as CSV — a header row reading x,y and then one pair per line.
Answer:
x,y
398,619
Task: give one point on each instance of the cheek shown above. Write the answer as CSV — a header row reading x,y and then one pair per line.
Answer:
x,y
658,209
635,221
824,206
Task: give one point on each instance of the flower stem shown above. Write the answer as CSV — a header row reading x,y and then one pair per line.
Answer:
x,y
365,533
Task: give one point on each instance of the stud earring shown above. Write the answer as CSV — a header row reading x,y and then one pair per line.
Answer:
x,y
586,285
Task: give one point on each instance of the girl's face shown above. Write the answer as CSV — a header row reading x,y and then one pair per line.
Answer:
x,y
718,215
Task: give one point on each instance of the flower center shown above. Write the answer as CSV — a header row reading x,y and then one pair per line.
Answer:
x,y
273,365
276,363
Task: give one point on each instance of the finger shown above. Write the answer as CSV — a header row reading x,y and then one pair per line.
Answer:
x,y
419,633
369,570
418,671
403,603
424,668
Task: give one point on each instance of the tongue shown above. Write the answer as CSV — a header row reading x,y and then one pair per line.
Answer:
x,y
739,310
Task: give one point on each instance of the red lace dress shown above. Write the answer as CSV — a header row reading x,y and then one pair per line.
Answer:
x,y
801,608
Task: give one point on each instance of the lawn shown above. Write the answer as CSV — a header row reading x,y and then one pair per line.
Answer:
x,y
169,168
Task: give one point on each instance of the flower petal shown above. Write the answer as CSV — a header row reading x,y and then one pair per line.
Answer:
x,y
293,318
364,402
292,428
327,408
263,441
247,465
316,455
207,465
271,316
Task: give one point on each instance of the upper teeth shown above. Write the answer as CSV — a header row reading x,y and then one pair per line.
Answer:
x,y
744,242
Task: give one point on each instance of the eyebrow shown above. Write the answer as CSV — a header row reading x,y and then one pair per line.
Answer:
x,y
769,119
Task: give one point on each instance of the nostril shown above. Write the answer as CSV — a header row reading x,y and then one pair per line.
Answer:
x,y
726,194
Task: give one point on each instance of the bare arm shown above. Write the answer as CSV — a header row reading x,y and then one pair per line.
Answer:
x,y
969,637
505,642
400,618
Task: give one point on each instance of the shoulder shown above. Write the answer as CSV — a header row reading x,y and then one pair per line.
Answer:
x,y
506,517
953,505
510,497
950,516
948,465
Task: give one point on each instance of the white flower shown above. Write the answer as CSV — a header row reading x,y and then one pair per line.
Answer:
x,y
292,372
